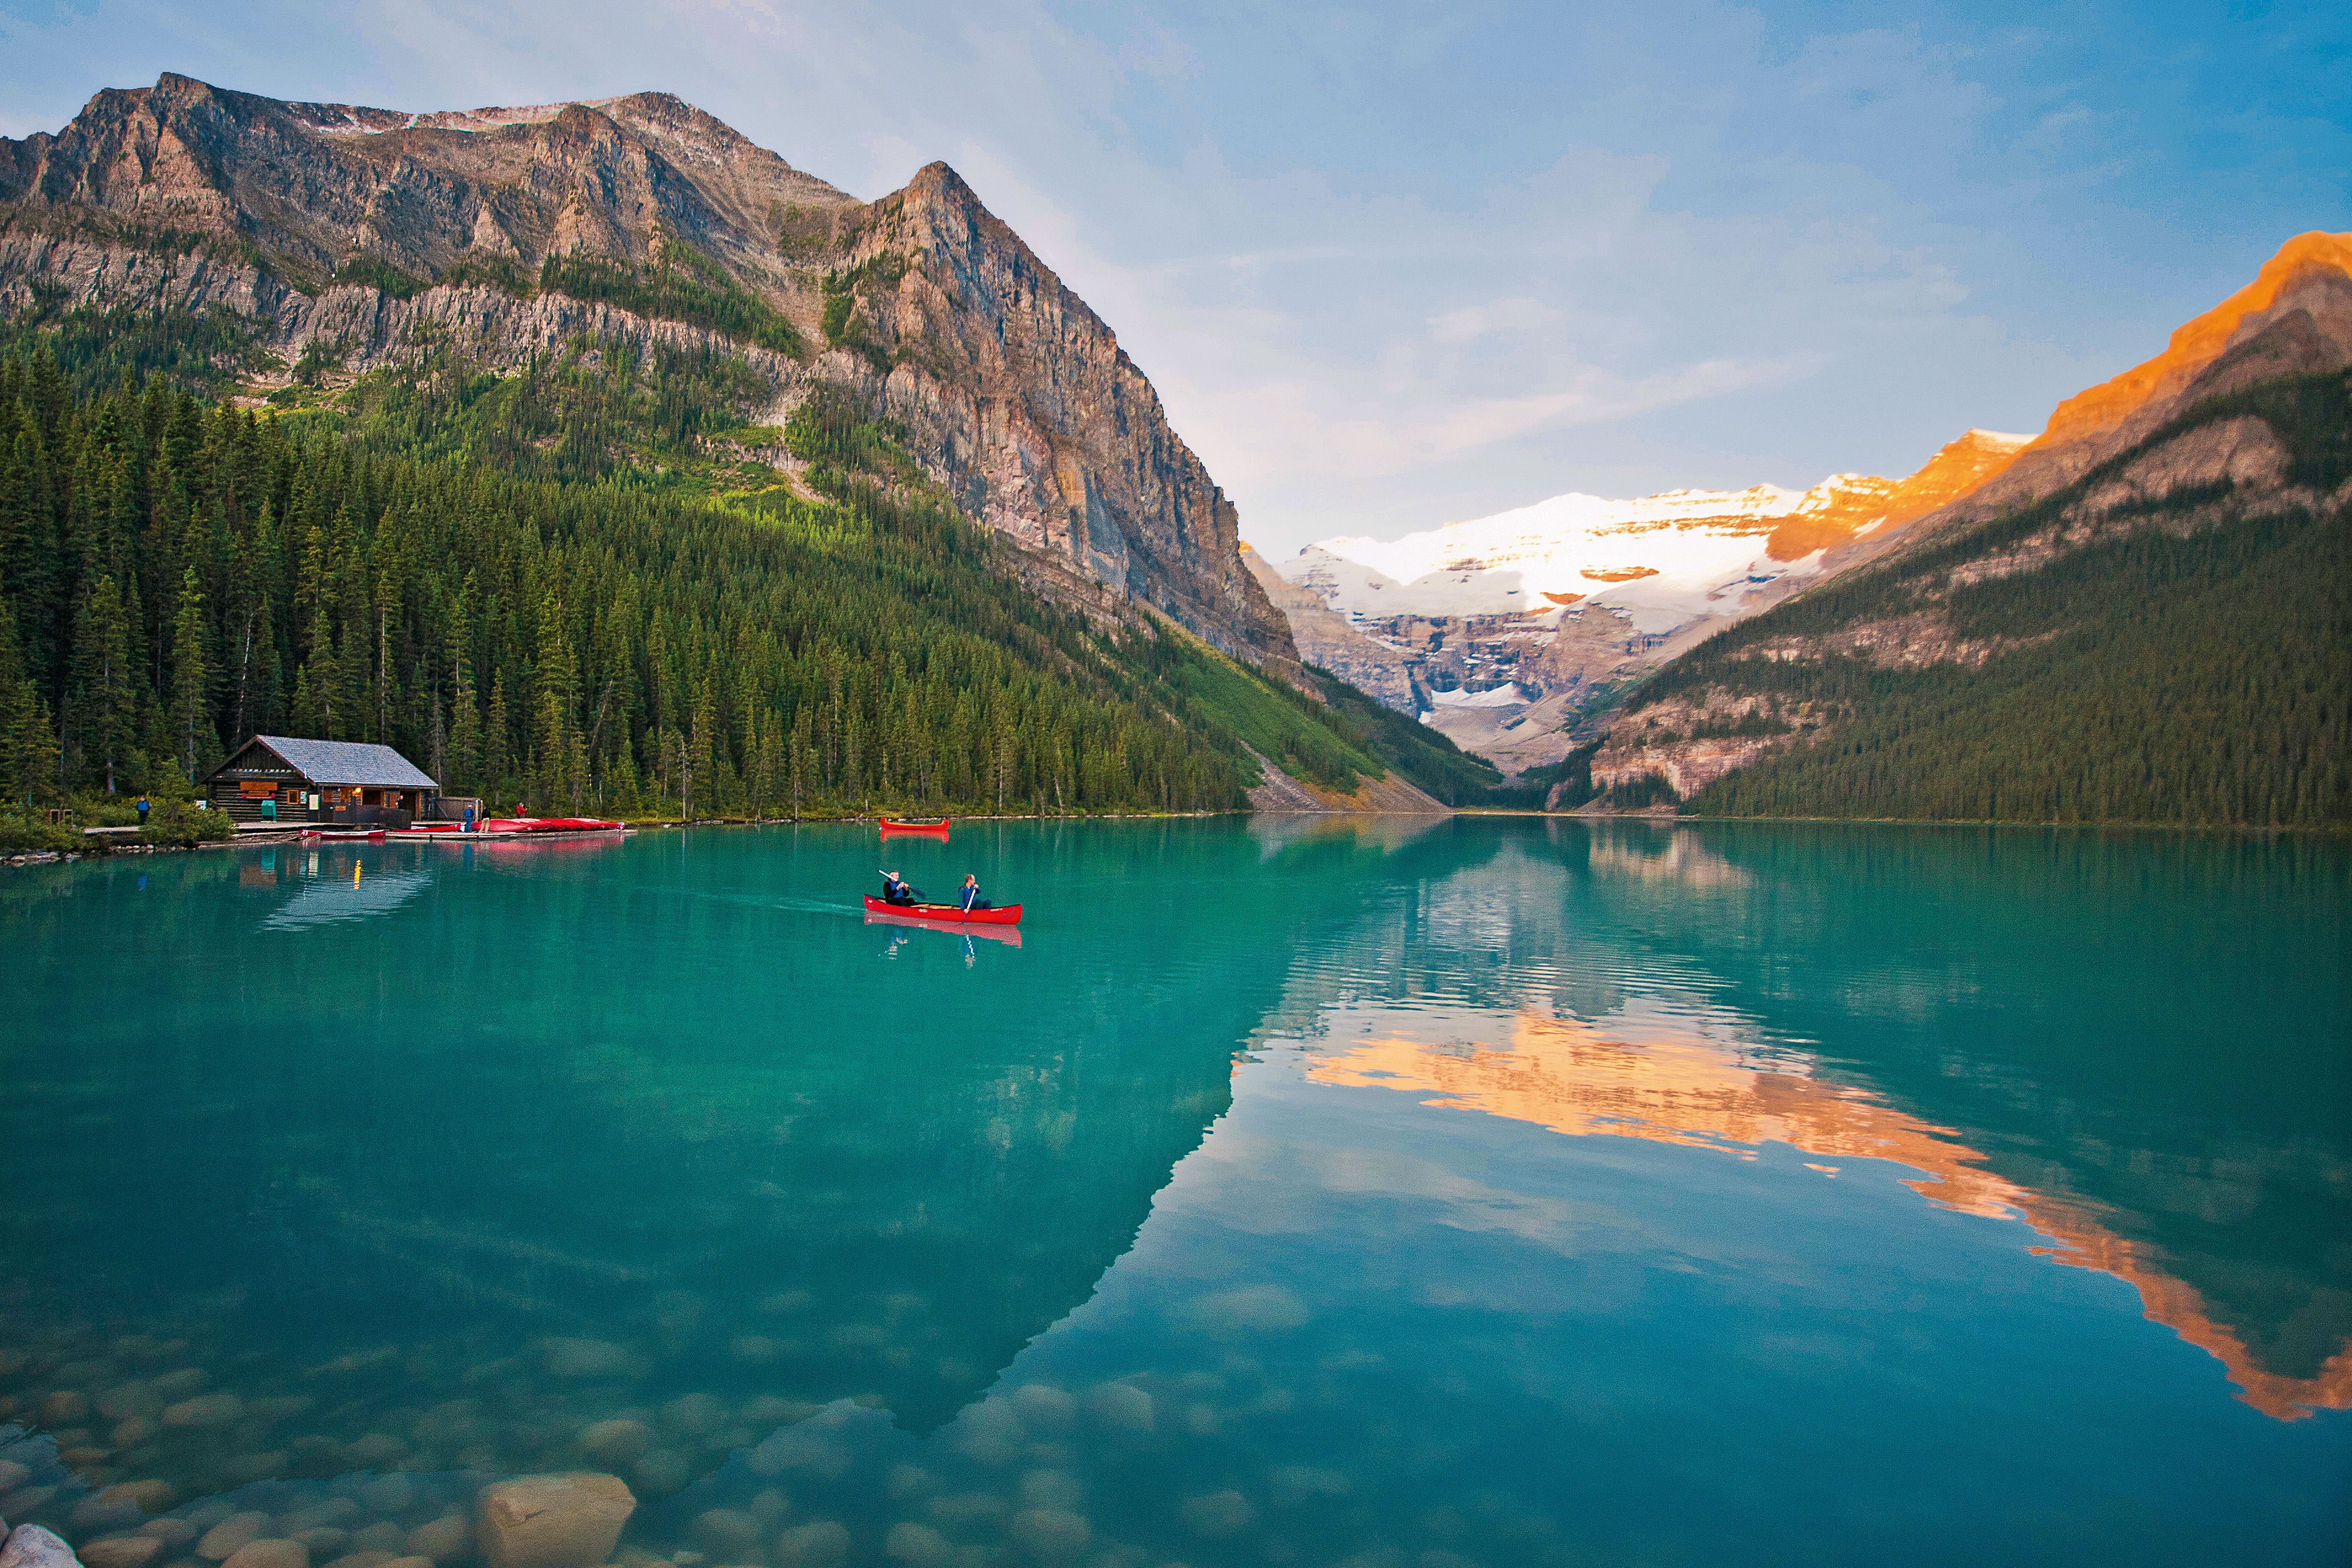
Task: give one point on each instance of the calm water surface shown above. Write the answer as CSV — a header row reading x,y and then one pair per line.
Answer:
x,y
1401,1195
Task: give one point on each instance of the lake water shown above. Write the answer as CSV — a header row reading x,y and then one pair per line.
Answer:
x,y
1399,1195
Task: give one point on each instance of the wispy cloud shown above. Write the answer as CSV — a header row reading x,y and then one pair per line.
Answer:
x,y
1397,265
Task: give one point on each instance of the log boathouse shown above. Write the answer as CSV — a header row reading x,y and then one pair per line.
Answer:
x,y
340,781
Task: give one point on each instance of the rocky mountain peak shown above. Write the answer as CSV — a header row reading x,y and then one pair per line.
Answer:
x,y
923,306
2294,318
2309,262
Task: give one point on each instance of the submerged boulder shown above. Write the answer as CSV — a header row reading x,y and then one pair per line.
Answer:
x,y
570,1520
30,1546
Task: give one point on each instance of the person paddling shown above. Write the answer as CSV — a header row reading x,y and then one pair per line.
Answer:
x,y
969,897
896,890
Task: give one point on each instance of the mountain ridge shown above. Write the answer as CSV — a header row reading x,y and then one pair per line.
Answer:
x,y
352,235
2140,619
1562,602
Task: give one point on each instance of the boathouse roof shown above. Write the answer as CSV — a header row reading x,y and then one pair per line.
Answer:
x,y
334,762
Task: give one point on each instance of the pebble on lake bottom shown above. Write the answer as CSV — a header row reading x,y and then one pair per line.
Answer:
x,y
615,1442
223,1540
171,1532
1056,1535
662,1472
206,1410
446,1537
1121,1407
120,1552
269,1553
917,1545
821,1543
726,1534
383,1536
1218,1514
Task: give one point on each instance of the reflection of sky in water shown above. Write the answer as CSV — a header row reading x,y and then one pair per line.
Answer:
x,y
1530,1228
1664,1074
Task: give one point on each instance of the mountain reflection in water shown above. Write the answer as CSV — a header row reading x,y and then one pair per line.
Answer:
x,y
1647,1074
347,1180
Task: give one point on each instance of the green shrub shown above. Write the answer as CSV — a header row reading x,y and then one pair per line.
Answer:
x,y
21,832
184,824
500,272
374,272
684,285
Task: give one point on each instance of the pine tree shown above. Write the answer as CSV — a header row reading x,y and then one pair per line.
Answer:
x,y
191,679
28,748
498,767
465,712
105,693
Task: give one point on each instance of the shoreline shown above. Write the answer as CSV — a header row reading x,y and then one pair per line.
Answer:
x,y
100,850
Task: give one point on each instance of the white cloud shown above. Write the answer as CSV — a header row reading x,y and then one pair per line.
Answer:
x,y
1384,268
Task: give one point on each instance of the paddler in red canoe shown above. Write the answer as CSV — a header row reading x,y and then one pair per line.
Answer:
x,y
895,891
969,897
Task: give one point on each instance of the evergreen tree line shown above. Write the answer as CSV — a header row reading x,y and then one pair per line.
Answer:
x,y
175,576
2183,671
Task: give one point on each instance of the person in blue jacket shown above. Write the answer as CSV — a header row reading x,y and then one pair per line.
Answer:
x,y
896,890
969,897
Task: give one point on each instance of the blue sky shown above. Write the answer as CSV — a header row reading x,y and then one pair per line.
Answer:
x,y
1391,266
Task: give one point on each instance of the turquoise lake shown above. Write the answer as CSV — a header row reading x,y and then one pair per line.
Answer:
x,y
1389,1194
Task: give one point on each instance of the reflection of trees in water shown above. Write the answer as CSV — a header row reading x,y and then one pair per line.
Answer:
x,y
2046,1023
612,1187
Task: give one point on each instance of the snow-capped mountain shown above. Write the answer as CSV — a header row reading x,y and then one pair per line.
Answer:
x,y
1492,629
1666,559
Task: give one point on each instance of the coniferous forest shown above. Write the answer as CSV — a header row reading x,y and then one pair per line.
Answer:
x,y
176,573
2190,665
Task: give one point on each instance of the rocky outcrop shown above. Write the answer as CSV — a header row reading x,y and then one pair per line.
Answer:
x,y
1393,793
2295,319
1331,641
1020,397
922,305
305,187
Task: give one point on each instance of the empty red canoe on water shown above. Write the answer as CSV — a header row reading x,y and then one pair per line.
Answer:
x,y
937,829
548,825
946,914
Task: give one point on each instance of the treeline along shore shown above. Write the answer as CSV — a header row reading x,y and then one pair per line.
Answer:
x,y
176,575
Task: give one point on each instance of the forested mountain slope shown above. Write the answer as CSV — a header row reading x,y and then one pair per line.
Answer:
x,y
2152,630
176,575
315,243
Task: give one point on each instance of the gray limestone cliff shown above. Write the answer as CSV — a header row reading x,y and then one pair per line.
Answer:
x,y
367,234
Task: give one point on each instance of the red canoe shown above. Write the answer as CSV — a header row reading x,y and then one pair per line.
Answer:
x,y
937,829
945,914
547,825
